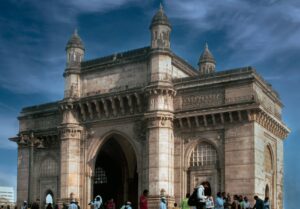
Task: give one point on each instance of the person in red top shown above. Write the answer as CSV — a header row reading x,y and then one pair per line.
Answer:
x,y
144,200
111,204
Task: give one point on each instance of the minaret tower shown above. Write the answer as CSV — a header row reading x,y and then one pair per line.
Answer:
x,y
207,63
70,129
75,53
159,115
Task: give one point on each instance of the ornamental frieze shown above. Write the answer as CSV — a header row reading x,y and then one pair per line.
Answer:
x,y
202,99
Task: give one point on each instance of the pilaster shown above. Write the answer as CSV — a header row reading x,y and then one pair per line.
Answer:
x,y
70,149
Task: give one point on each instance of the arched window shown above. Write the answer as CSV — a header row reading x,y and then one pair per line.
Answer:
x,y
49,167
268,160
49,197
203,154
100,176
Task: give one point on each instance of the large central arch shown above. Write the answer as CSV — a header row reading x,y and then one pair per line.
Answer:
x,y
115,171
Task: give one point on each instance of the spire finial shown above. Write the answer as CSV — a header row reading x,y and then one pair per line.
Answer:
x,y
161,8
75,31
206,45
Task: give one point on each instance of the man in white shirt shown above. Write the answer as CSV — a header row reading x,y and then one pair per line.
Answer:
x,y
201,197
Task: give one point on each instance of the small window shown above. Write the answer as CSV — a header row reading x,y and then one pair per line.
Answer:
x,y
100,176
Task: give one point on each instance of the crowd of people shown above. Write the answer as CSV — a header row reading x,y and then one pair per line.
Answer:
x,y
201,198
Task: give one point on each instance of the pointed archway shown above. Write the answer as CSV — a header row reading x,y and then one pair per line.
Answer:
x,y
115,172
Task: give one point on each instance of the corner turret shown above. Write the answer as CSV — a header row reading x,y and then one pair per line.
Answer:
x,y
160,30
75,54
75,50
207,63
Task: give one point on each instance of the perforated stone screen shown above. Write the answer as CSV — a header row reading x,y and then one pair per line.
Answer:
x,y
203,154
100,176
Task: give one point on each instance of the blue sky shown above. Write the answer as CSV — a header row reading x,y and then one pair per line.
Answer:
x,y
33,34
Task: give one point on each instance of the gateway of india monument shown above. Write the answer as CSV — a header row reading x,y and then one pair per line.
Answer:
x,y
147,119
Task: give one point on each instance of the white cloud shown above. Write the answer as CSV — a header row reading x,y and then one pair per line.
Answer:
x,y
256,30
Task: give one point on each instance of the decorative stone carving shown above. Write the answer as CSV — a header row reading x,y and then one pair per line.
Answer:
x,y
70,132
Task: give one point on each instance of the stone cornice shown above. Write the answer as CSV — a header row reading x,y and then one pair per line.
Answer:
x,y
269,122
214,78
231,115
40,110
37,138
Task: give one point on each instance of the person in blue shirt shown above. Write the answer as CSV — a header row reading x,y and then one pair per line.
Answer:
x,y
163,203
219,204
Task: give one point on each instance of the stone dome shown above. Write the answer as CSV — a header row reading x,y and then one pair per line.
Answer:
x,y
206,56
160,18
75,41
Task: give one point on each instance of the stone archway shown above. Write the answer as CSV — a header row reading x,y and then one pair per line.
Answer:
x,y
203,166
115,171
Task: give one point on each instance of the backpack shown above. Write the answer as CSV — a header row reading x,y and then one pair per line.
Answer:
x,y
193,199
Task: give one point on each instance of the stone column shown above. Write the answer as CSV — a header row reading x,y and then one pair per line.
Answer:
x,y
70,136
160,143
23,174
161,158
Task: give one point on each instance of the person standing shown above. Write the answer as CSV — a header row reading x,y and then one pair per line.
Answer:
x,y
111,204
209,204
201,198
35,205
97,202
219,204
144,200
184,203
175,206
247,203
163,203
235,204
267,203
49,206
24,206
73,205
259,203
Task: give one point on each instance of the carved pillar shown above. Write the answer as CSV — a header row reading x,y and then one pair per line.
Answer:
x,y
81,107
105,107
189,122
70,149
97,108
222,118
113,105
213,119
204,120
240,116
88,104
138,99
197,121
130,103
160,148
121,105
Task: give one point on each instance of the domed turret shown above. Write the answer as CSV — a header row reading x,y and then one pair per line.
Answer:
x,y
75,50
75,41
75,54
160,18
160,30
207,63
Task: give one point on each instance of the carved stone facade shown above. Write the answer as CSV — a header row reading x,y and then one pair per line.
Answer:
x,y
146,119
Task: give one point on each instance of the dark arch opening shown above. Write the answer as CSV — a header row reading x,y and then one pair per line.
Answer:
x,y
115,173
